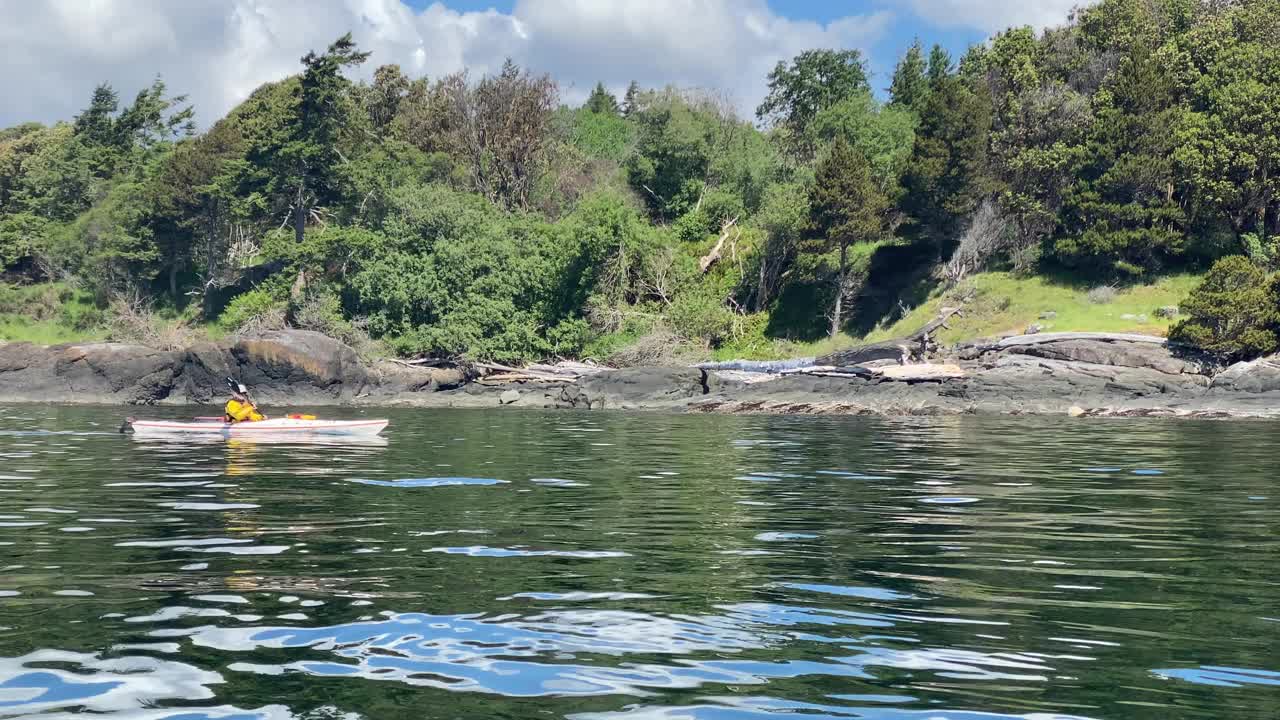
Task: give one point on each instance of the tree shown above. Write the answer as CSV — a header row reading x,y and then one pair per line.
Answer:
x,y
383,98
501,130
311,155
910,86
193,204
96,125
602,101
947,176
1232,313
154,118
883,133
939,65
629,100
1229,145
813,81
1123,213
846,206
690,145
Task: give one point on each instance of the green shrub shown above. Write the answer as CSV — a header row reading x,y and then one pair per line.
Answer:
x,y
701,315
1233,313
256,310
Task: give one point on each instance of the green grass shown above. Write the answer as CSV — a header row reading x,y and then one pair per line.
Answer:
x,y
48,314
15,329
1004,304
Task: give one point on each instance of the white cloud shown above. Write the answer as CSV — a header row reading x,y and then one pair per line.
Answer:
x,y
218,51
995,15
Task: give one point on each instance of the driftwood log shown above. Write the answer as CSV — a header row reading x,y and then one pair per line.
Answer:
x,y
916,346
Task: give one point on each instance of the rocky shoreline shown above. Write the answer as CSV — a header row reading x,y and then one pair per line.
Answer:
x,y
1068,374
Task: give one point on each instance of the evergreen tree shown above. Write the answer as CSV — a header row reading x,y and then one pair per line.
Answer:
x,y
846,206
602,101
910,84
382,99
96,125
939,65
153,118
1124,214
630,99
311,155
948,176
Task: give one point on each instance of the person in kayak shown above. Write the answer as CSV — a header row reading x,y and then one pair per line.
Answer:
x,y
240,407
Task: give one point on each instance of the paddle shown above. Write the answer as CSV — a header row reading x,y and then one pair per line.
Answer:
x,y
244,390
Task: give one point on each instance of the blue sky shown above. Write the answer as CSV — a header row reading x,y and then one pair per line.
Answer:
x,y
219,51
905,27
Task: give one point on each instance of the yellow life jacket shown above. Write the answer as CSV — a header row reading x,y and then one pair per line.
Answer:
x,y
237,411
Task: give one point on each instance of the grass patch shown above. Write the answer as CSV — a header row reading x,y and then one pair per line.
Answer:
x,y
48,314
45,332
1004,304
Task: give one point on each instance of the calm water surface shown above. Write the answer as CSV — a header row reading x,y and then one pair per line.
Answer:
x,y
643,567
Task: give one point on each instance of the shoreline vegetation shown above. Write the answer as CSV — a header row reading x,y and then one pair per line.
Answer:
x,y
1119,174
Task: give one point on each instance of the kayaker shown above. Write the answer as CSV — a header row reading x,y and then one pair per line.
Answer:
x,y
240,408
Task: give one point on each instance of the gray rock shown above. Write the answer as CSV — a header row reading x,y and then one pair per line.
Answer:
x,y
1129,316
1068,375
1152,356
1033,329
292,366
1257,376
1048,315
1167,311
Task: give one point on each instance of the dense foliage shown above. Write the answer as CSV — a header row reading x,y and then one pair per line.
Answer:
x,y
481,217
1233,313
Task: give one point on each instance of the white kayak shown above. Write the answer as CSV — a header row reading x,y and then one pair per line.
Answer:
x,y
275,427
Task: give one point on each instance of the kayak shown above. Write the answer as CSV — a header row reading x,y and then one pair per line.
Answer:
x,y
274,427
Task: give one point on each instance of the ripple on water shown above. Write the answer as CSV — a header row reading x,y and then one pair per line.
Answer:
x,y
579,596
784,536
431,482
769,708
486,551
1221,676
870,593
44,682
949,500
658,599
558,482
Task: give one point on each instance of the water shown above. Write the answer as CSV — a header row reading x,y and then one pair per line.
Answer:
x,y
643,567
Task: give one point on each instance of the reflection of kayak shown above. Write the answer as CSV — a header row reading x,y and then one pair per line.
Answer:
x,y
289,427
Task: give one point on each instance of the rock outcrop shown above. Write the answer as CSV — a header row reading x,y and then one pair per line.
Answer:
x,y
1065,374
295,365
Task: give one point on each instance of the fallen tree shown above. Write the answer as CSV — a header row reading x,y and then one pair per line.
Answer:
x,y
914,347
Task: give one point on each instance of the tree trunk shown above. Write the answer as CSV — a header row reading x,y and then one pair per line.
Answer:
x,y
837,311
300,211
173,279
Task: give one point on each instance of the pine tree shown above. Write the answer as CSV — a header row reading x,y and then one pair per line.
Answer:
x,y
939,65
910,85
602,101
846,206
312,155
948,175
630,99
